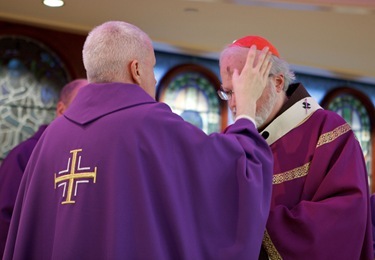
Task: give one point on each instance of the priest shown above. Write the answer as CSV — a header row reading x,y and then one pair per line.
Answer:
x,y
120,176
320,199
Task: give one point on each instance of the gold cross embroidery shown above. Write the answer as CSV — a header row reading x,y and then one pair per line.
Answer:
x,y
73,176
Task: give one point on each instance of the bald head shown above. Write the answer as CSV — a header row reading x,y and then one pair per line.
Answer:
x,y
68,93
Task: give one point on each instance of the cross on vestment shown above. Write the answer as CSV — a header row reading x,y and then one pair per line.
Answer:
x,y
73,178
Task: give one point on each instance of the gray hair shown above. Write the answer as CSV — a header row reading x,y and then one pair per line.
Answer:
x,y
279,66
109,46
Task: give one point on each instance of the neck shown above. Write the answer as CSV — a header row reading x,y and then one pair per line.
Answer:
x,y
280,102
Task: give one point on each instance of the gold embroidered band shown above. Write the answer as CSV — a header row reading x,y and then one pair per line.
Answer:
x,y
292,174
331,136
270,247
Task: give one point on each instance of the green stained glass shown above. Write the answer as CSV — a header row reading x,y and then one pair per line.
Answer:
x,y
193,96
354,112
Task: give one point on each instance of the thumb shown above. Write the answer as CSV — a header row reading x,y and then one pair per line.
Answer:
x,y
235,75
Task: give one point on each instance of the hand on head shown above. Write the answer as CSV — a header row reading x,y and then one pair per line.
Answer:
x,y
250,83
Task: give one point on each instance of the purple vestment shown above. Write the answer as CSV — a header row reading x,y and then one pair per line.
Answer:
x,y
11,172
320,200
120,176
372,205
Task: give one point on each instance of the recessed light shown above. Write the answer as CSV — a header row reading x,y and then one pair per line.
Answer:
x,y
53,3
191,10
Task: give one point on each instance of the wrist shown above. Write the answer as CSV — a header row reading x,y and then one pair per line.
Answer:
x,y
246,117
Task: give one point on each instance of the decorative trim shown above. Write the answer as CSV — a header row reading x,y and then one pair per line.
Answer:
x,y
292,174
291,118
270,248
333,135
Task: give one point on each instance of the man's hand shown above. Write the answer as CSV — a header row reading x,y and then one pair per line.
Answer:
x,y
248,85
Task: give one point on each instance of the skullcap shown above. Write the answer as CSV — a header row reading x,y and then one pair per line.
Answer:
x,y
260,42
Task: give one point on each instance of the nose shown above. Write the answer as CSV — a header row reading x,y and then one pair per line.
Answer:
x,y
232,99
232,103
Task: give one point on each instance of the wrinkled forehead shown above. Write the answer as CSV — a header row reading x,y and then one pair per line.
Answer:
x,y
232,58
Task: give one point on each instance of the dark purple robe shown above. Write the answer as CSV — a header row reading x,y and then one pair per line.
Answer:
x,y
120,176
372,205
320,200
11,172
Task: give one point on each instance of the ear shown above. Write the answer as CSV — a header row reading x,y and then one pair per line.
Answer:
x,y
279,83
60,108
135,71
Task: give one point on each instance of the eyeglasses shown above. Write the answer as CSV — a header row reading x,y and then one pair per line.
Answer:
x,y
225,95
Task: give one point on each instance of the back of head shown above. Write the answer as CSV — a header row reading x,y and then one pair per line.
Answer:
x,y
68,93
109,48
70,90
279,66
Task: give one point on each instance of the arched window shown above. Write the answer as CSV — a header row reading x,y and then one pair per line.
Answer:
x,y
190,91
31,76
357,109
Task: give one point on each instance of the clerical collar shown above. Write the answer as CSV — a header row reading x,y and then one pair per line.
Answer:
x,y
295,93
299,107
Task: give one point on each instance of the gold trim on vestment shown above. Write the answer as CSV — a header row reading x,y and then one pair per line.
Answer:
x,y
70,179
292,174
270,248
334,134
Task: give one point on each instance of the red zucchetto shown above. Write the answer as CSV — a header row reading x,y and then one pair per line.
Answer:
x,y
260,42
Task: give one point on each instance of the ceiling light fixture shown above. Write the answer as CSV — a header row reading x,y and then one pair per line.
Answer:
x,y
53,3
191,10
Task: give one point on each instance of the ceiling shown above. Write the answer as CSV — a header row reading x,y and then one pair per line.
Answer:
x,y
331,38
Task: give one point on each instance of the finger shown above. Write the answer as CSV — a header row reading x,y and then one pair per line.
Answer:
x,y
263,59
264,69
251,54
269,66
235,75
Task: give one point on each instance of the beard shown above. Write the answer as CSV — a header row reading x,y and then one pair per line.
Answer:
x,y
266,104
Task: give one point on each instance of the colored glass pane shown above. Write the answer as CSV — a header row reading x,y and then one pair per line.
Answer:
x,y
354,112
31,76
193,97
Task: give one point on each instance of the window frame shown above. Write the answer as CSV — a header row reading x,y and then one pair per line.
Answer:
x,y
194,68
369,106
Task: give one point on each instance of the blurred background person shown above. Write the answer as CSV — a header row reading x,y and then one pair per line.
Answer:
x,y
13,166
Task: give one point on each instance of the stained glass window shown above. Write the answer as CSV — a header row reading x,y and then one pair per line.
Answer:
x,y
355,113
31,76
192,95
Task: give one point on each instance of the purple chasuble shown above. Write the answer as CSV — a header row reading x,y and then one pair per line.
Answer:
x,y
372,205
11,172
320,200
120,176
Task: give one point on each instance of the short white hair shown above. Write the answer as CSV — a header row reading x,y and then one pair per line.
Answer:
x,y
109,47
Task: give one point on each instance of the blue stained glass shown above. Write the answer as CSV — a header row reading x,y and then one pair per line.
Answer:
x,y
193,117
193,96
31,76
